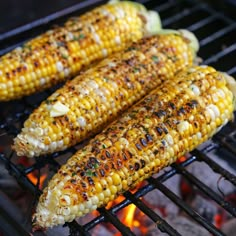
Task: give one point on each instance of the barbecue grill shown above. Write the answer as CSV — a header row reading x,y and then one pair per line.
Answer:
x,y
215,28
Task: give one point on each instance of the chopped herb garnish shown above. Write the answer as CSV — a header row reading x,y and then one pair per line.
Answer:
x,y
73,174
155,59
106,79
95,165
173,58
103,146
81,36
135,70
89,173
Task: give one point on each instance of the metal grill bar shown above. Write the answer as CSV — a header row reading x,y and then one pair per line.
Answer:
x,y
230,142
38,165
161,224
213,195
202,23
113,219
179,202
18,174
221,16
218,55
216,167
178,16
217,35
232,71
166,5
75,228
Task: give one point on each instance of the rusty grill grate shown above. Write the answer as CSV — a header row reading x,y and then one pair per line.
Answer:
x,y
215,32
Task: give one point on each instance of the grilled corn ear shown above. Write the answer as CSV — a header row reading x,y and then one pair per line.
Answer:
x,y
172,120
60,53
86,104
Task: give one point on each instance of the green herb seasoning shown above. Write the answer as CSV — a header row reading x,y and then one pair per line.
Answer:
x,y
155,59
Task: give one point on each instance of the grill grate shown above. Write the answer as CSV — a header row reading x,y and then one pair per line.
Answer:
x,y
215,32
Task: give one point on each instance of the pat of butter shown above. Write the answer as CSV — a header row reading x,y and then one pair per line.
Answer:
x,y
58,109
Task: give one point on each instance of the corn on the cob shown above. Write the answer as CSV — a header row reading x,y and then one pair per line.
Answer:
x,y
60,53
170,121
84,105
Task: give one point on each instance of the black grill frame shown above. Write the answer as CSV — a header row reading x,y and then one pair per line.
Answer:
x,y
11,120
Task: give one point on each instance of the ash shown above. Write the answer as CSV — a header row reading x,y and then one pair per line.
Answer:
x,y
158,200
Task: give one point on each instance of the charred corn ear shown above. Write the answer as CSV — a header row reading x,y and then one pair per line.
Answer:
x,y
172,120
86,104
60,53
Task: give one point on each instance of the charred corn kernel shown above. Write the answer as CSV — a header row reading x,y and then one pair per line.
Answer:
x,y
144,154
61,53
86,104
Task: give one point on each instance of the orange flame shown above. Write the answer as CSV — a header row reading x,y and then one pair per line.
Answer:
x,y
32,176
129,216
115,202
34,179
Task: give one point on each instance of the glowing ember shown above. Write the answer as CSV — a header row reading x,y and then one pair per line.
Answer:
x,y
181,159
115,202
